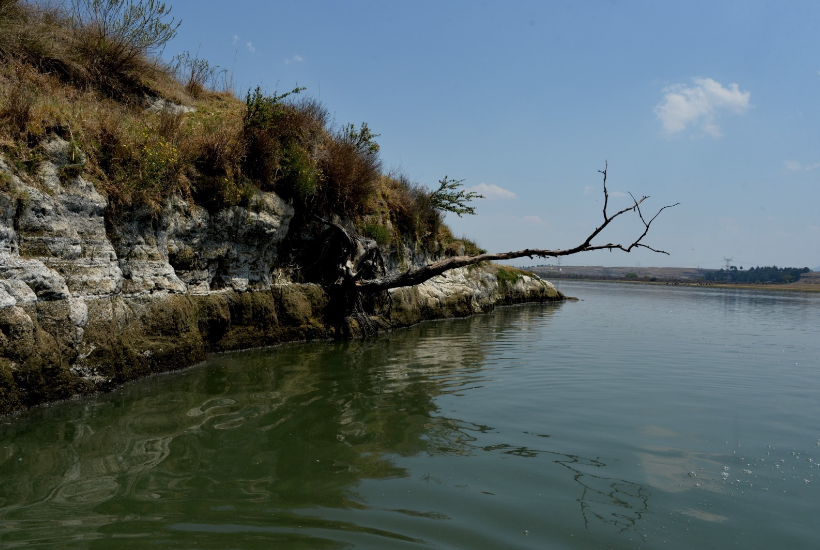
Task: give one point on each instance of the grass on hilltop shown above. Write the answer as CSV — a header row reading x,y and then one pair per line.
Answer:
x,y
73,73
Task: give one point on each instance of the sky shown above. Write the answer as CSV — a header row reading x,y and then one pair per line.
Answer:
x,y
713,105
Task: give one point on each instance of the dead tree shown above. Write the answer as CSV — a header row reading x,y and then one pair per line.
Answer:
x,y
359,283
363,270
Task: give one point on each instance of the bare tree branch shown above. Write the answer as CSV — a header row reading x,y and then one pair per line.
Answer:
x,y
417,275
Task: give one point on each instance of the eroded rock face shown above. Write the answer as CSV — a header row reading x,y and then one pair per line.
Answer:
x,y
466,291
54,231
91,298
74,280
188,249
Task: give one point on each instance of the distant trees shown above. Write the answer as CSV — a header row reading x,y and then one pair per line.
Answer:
x,y
759,275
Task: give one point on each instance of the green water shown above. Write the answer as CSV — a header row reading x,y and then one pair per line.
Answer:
x,y
639,417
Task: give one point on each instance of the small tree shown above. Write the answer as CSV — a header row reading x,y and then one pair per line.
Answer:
x,y
449,198
140,25
115,36
362,139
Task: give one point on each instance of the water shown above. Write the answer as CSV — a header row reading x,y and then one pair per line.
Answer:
x,y
639,417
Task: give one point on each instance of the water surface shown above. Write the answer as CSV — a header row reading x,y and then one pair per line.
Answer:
x,y
639,417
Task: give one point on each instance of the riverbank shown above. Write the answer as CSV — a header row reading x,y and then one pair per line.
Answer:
x,y
93,296
52,350
147,219
792,287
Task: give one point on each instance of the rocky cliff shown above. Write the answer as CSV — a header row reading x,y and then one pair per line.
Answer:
x,y
92,296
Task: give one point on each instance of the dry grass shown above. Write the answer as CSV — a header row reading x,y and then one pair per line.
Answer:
x,y
350,177
16,110
83,86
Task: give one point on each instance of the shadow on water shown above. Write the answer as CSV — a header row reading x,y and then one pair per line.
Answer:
x,y
257,444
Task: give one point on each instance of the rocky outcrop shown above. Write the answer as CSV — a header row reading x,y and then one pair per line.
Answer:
x,y
91,298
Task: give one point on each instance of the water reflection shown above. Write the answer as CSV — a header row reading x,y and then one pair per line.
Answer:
x,y
267,442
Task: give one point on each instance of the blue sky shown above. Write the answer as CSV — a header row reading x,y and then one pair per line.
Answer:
x,y
710,104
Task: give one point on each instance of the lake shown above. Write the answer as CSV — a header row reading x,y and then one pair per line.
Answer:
x,y
638,417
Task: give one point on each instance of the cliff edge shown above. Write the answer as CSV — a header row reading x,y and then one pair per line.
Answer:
x,y
92,296
149,216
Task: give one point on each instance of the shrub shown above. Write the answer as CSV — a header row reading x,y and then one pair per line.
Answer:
x,y
114,39
10,26
125,29
449,198
508,275
217,150
109,148
379,233
300,176
350,169
217,192
158,162
410,208
265,128
195,74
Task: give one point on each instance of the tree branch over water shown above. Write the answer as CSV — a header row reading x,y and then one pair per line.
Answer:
x,y
360,254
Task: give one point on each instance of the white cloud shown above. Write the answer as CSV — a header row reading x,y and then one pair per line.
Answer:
x,y
796,166
618,194
250,46
294,59
235,38
588,190
492,191
698,105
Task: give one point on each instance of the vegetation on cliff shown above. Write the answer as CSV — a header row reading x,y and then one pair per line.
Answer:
x,y
143,129
757,275
87,74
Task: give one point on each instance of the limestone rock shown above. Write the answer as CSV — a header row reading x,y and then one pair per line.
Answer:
x,y
92,296
157,105
46,283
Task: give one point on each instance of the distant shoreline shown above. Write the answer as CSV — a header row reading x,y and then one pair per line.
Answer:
x,y
791,287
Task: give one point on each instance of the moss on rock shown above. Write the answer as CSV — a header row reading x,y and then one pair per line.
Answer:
x,y
46,356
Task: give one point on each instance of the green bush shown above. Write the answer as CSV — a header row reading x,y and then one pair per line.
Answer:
x,y
158,162
300,174
508,275
265,128
449,198
379,233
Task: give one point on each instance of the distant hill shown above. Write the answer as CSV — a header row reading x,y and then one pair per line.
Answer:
x,y
816,268
600,272
678,274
